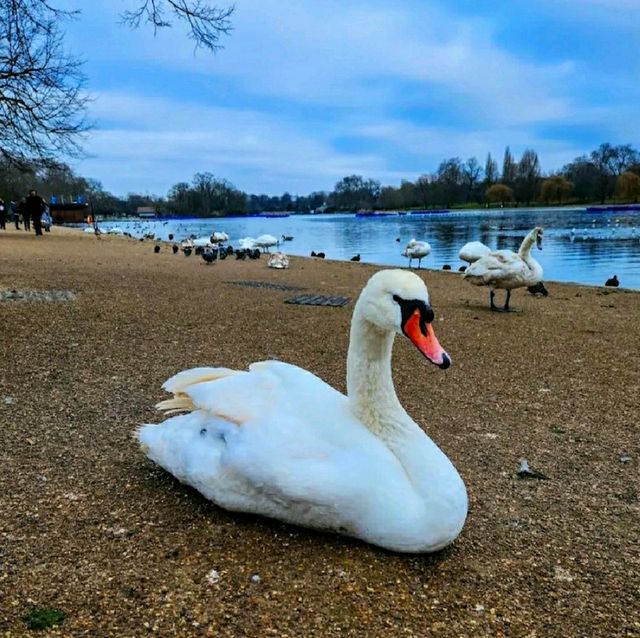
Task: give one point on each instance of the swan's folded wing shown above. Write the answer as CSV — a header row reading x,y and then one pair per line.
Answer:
x,y
269,387
492,265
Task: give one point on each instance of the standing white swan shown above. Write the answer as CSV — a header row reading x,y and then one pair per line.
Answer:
x,y
278,441
416,250
507,270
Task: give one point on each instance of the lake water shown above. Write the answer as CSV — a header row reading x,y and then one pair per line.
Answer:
x,y
579,246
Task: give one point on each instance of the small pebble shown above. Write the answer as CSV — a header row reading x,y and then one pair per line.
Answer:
x,y
213,577
256,578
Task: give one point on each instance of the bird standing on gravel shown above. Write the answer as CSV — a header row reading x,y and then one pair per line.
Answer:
x,y
506,270
612,281
209,255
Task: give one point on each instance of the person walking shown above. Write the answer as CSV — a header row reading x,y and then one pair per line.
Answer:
x,y
16,215
35,206
24,213
3,215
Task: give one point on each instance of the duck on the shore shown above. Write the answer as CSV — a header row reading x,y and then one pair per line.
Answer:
x,y
612,281
156,249
278,441
174,248
416,250
356,257
506,270
318,255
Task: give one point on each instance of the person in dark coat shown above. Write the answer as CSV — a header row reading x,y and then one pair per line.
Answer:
x,y
35,206
24,214
15,214
3,215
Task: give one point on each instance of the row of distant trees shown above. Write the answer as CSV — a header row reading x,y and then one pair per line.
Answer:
x,y
607,173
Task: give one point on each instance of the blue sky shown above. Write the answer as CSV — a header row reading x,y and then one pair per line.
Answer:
x,y
305,93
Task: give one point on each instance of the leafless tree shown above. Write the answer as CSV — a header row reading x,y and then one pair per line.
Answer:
x,y
42,88
206,23
42,102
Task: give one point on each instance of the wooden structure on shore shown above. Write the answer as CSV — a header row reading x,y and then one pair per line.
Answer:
x,y
71,213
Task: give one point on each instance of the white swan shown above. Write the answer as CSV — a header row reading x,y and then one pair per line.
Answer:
x,y
202,242
472,251
416,250
507,270
278,260
266,241
219,237
278,441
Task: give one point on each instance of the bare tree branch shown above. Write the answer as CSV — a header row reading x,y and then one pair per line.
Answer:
x,y
206,23
42,102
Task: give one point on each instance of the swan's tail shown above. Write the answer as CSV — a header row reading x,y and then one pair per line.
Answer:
x,y
178,384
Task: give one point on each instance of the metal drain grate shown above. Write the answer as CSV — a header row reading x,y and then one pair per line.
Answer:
x,y
318,300
264,284
37,295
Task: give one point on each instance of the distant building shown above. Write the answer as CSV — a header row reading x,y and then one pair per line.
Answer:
x,y
71,213
146,212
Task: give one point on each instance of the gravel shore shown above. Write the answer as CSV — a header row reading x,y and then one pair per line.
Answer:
x,y
90,527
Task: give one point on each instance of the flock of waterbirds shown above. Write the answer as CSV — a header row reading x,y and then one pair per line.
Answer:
x,y
500,269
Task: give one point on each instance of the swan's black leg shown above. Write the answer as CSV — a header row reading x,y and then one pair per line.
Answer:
x,y
506,303
491,296
419,261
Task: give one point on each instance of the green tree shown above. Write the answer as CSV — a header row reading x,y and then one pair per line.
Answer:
x,y
555,189
628,186
499,193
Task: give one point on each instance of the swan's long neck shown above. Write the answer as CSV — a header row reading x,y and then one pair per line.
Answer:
x,y
525,253
370,388
525,247
435,506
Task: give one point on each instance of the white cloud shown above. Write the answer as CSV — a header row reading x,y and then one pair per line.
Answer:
x,y
159,142
341,71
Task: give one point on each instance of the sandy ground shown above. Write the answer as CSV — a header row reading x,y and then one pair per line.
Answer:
x,y
89,526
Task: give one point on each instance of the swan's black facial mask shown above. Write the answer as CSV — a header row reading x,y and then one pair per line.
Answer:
x,y
417,318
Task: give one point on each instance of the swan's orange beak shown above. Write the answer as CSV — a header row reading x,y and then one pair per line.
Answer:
x,y
424,338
